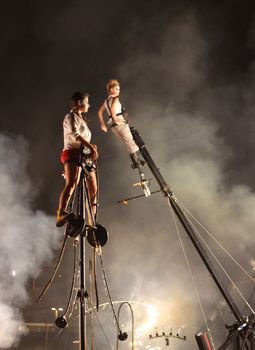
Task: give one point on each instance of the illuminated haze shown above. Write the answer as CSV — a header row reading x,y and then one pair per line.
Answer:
x,y
171,105
27,239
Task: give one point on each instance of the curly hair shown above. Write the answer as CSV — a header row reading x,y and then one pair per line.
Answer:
x,y
112,83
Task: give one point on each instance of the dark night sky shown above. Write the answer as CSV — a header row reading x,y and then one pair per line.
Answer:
x,y
187,74
50,49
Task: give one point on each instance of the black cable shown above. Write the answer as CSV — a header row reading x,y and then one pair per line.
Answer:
x,y
54,270
95,278
97,318
97,196
73,285
108,293
102,328
62,250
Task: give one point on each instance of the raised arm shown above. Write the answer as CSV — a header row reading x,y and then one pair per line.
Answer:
x,y
101,118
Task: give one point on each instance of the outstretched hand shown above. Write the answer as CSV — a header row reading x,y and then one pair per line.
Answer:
x,y
104,128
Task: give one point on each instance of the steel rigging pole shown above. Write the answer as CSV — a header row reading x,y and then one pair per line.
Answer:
x,y
186,224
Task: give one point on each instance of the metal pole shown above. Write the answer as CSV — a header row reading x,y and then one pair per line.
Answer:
x,y
155,171
82,291
185,223
203,255
91,274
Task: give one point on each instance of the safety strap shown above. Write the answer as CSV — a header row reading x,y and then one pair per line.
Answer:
x,y
123,112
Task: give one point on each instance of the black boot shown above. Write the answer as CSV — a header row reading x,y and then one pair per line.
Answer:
x,y
136,161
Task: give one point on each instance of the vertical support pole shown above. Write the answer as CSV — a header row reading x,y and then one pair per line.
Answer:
x,y
82,291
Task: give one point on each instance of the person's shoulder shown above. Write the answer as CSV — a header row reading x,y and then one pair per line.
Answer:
x,y
67,116
114,98
70,116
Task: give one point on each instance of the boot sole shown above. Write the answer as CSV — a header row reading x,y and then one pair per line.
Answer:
x,y
64,220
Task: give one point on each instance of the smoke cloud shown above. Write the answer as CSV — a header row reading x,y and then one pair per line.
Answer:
x,y
28,237
178,114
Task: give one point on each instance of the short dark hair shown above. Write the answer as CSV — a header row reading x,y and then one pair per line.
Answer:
x,y
78,96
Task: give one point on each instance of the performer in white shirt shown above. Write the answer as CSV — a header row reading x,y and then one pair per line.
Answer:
x,y
118,121
76,134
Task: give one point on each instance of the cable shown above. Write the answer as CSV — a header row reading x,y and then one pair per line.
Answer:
x,y
191,274
92,308
102,328
108,291
73,286
95,277
54,270
97,195
223,269
62,250
219,244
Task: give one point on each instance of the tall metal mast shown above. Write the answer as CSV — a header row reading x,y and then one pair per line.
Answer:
x,y
186,225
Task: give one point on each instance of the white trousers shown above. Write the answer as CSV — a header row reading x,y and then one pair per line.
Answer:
x,y
124,133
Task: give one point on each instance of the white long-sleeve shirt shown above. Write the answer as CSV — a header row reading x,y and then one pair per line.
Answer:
x,y
74,125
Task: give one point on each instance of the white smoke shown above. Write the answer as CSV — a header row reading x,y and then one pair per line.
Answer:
x,y
28,237
184,140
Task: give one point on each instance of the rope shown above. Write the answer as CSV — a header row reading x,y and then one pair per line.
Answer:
x,y
95,278
219,244
54,270
92,308
97,199
191,274
100,324
223,269
108,291
62,250
74,285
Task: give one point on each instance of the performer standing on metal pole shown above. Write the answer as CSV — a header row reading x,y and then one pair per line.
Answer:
x,y
118,121
76,135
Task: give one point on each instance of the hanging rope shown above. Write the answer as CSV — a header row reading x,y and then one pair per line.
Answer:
x,y
108,291
223,269
191,275
48,284
252,279
60,257
74,287
92,309
100,324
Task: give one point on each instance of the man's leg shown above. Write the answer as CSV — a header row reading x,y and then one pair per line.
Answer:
x,y
91,181
72,176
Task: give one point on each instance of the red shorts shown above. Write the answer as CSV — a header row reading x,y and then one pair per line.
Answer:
x,y
70,155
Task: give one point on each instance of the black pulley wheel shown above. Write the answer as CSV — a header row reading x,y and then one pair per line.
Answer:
x,y
75,226
61,322
97,236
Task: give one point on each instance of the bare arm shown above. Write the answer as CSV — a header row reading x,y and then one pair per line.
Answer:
x,y
101,118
